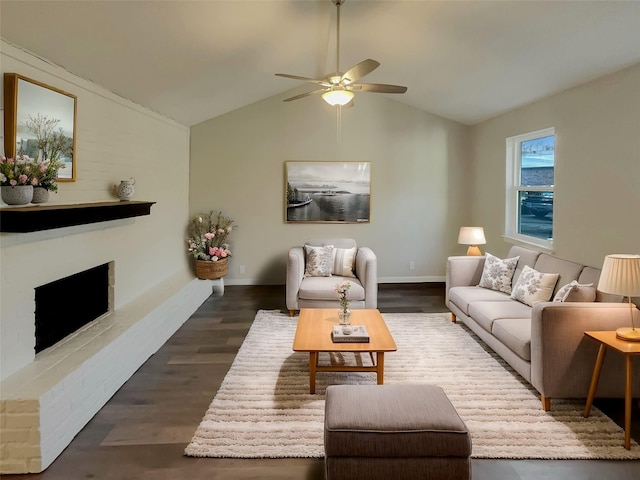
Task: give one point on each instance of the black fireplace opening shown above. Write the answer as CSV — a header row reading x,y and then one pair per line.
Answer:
x,y
65,305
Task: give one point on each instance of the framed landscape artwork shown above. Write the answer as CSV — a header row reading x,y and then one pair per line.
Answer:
x,y
327,192
40,121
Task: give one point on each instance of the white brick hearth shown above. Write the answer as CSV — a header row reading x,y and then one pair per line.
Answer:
x,y
45,404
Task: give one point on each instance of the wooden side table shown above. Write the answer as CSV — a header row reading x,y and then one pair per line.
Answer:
x,y
628,350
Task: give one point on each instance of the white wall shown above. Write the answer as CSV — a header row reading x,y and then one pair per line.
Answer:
x,y
419,165
116,139
597,174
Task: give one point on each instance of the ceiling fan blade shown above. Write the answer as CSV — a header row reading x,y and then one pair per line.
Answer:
x,y
321,81
358,71
304,95
377,88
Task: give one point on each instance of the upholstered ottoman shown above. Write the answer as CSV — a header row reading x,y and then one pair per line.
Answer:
x,y
390,432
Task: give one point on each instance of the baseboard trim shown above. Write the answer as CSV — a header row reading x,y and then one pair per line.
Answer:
x,y
419,279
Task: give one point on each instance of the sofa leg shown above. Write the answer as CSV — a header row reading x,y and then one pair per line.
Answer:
x,y
292,313
546,403
453,318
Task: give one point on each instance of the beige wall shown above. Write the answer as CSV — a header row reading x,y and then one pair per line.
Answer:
x,y
597,175
419,165
116,139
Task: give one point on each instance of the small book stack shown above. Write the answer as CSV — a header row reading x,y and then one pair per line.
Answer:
x,y
357,334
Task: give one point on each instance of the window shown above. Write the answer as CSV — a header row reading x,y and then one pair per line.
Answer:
x,y
530,192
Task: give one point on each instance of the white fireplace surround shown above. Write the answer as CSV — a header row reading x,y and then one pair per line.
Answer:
x,y
46,399
45,404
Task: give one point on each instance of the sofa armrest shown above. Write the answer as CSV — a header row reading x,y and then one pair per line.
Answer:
x,y
367,273
295,274
562,357
462,271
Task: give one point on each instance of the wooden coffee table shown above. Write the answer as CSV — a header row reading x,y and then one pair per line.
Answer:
x,y
313,335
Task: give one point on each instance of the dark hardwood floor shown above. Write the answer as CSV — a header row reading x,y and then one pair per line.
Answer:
x,y
140,434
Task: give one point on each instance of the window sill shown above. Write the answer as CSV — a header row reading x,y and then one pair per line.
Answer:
x,y
543,246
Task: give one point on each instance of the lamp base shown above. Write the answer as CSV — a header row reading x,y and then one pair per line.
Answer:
x,y
628,334
474,251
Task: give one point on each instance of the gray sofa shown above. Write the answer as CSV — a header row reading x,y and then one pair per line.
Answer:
x,y
545,344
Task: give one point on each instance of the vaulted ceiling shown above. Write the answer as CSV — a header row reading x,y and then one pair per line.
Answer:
x,y
463,60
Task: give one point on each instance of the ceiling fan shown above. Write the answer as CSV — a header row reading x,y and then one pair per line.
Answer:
x,y
337,88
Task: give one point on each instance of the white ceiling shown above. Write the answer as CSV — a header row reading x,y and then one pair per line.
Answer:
x,y
463,60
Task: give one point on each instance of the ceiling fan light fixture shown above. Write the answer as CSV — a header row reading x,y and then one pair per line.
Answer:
x,y
337,97
336,88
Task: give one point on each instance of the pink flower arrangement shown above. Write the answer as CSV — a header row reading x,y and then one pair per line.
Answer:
x,y
24,170
48,174
219,253
208,234
342,290
17,171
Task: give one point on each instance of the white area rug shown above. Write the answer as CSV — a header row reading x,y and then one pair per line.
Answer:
x,y
263,408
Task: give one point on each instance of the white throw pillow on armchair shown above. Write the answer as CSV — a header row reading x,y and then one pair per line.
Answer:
x,y
318,261
344,261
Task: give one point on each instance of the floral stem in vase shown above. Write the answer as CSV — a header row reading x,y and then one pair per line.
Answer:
x,y
344,314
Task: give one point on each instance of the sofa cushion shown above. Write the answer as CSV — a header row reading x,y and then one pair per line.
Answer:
x,y
338,242
485,313
582,293
497,273
321,288
514,333
576,292
592,275
533,286
589,275
527,257
567,270
463,296
319,261
344,261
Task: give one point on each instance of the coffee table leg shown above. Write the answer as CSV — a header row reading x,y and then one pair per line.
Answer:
x,y
313,363
380,369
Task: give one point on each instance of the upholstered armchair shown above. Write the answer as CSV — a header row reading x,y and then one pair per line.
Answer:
x,y
315,268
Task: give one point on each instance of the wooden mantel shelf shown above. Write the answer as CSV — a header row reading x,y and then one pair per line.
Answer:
x,y
47,217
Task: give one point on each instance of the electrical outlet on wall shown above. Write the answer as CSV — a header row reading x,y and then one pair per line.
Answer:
x,y
242,269
412,265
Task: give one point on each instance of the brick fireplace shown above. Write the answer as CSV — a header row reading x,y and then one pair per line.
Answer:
x,y
45,402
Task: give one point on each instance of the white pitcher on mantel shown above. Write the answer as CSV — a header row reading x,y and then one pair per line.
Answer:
x,y
125,190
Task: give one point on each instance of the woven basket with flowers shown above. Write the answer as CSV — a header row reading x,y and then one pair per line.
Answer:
x,y
207,243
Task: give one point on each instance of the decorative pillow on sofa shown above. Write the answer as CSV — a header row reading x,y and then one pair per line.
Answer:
x,y
497,273
319,261
533,286
344,261
576,292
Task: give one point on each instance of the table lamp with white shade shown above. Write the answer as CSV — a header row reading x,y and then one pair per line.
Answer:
x,y
472,236
621,276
